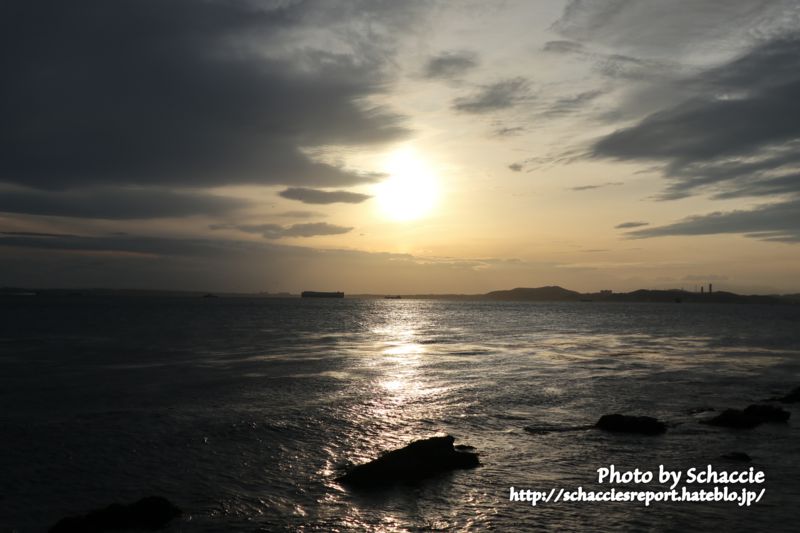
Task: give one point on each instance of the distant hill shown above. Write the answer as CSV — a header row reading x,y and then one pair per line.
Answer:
x,y
560,294
544,294
676,295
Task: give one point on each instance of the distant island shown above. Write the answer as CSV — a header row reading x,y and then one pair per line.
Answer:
x,y
520,294
560,294
318,294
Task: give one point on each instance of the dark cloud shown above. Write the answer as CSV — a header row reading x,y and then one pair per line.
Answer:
x,y
655,28
737,137
596,186
300,214
228,265
628,225
734,176
316,196
765,186
632,68
276,231
117,204
35,234
509,131
613,65
516,167
647,40
735,132
571,104
187,92
564,47
316,228
451,64
127,244
497,96
771,222
145,262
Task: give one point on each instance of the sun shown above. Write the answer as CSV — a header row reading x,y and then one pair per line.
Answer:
x,y
411,190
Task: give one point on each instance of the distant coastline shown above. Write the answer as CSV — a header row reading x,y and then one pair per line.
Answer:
x,y
520,294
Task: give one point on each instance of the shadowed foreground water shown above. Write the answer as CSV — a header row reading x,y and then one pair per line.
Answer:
x,y
242,411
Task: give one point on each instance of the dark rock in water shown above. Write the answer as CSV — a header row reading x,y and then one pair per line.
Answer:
x,y
768,413
149,513
734,418
792,397
418,460
644,425
698,410
737,456
750,417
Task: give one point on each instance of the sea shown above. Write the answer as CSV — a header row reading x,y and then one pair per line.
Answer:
x,y
243,411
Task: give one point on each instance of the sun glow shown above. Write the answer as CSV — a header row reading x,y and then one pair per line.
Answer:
x,y
411,191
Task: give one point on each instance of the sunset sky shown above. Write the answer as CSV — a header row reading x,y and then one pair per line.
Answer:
x,y
400,146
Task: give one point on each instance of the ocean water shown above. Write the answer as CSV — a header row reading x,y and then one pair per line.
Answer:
x,y
242,411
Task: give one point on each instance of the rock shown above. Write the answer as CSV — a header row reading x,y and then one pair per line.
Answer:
x,y
792,397
768,413
750,417
737,456
698,410
644,425
149,513
418,460
734,418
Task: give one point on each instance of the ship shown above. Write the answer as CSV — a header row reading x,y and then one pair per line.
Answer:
x,y
317,294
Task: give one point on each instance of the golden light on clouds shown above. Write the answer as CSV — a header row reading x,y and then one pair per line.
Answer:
x,y
591,145
411,191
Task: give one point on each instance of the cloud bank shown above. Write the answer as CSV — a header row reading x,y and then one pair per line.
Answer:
x,y
117,203
276,231
779,222
187,94
316,196
736,136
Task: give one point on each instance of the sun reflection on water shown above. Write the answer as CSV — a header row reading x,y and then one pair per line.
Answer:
x,y
401,354
399,401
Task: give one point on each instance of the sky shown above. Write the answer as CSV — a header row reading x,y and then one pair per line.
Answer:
x,y
400,147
